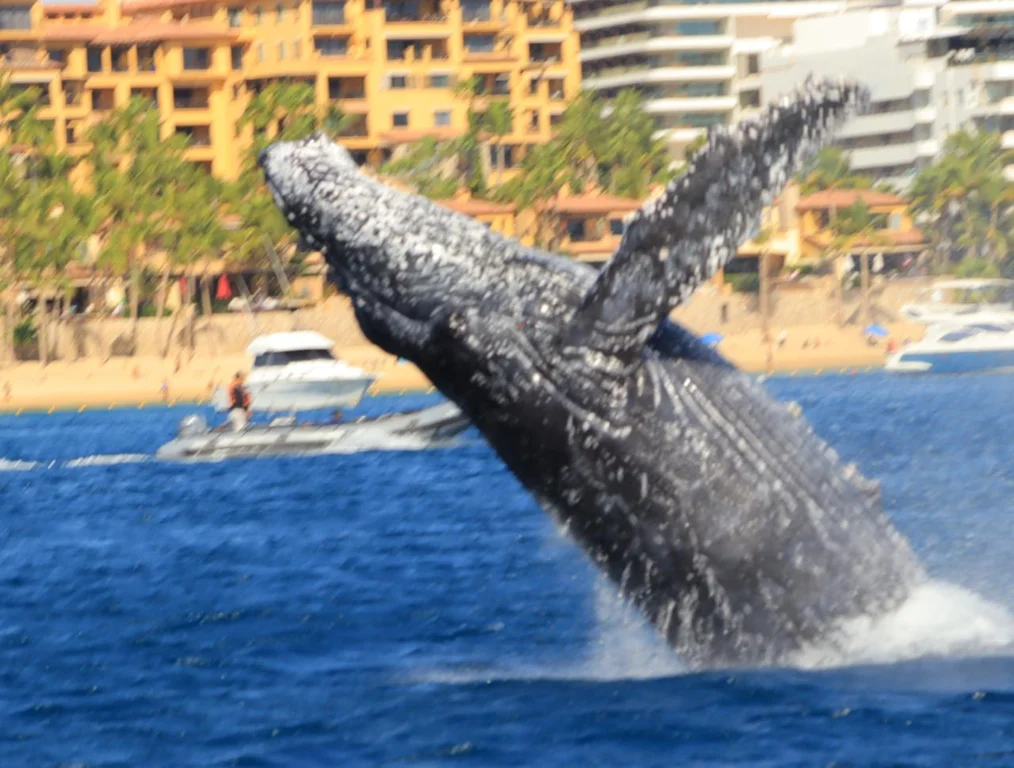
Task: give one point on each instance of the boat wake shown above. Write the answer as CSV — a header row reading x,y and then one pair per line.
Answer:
x,y
108,460
99,460
7,465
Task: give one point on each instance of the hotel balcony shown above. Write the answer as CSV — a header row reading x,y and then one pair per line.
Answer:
x,y
682,104
623,76
651,42
886,122
883,157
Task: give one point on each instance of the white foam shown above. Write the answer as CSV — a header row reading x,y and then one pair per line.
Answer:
x,y
938,619
7,465
107,459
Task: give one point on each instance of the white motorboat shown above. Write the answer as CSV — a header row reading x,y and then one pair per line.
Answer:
x,y
433,427
297,371
977,347
963,302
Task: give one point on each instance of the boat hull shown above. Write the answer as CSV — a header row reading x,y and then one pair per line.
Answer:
x,y
964,361
293,395
437,426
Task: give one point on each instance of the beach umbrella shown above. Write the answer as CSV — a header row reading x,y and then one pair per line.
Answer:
x,y
712,339
876,330
224,292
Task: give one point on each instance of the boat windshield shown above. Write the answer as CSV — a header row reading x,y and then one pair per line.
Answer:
x,y
959,335
292,356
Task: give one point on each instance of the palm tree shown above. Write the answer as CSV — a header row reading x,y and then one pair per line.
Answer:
x,y
831,169
964,200
499,122
854,228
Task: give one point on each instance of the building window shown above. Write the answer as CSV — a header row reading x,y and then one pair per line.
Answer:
x,y
398,49
616,226
331,46
297,49
699,27
57,56
575,229
16,17
94,59
237,57
260,51
260,15
235,17
120,56
479,43
196,58
281,51
475,10
71,138
398,82
145,58
894,221
533,122
280,12
440,81
328,13
753,64
400,120
441,118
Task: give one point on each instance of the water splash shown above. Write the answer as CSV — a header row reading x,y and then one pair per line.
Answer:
x,y
939,619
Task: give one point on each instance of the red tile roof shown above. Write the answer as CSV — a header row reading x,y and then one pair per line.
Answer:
x,y
896,238
843,198
60,9
155,31
138,6
71,33
591,203
473,207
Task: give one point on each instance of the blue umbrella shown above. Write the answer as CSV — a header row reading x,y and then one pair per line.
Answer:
x,y
876,330
712,339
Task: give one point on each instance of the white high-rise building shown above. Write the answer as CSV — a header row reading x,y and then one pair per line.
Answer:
x,y
697,64
933,69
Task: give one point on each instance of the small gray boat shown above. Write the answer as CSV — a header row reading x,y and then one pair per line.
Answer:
x,y
433,427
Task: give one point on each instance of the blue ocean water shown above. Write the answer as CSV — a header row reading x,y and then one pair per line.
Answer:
x,y
419,609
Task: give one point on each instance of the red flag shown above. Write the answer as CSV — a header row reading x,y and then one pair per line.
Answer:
x,y
224,292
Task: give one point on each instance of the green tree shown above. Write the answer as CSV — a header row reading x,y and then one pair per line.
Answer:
x,y
831,169
965,203
856,229
498,121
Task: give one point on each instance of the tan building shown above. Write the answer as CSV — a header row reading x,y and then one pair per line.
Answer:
x,y
392,64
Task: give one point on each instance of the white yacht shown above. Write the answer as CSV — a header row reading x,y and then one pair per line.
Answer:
x,y
963,301
297,371
975,347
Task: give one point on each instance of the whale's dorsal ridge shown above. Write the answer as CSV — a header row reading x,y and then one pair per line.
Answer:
x,y
682,238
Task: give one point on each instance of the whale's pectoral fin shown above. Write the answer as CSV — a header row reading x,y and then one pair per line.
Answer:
x,y
683,237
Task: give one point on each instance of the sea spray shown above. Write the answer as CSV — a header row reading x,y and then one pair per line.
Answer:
x,y
938,619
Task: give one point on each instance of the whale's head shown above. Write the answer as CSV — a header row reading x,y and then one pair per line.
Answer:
x,y
303,177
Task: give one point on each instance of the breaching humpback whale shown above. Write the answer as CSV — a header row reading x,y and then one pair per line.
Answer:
x,y
726,520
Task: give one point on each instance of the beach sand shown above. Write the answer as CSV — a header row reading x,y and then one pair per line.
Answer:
x,y
91,384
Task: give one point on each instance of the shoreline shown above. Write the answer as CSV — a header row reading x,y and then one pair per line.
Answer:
x,y
149,381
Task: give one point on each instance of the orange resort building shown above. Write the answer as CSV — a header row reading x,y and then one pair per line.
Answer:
x,y
391,66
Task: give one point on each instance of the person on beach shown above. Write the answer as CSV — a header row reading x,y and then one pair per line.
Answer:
x,y
239,403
